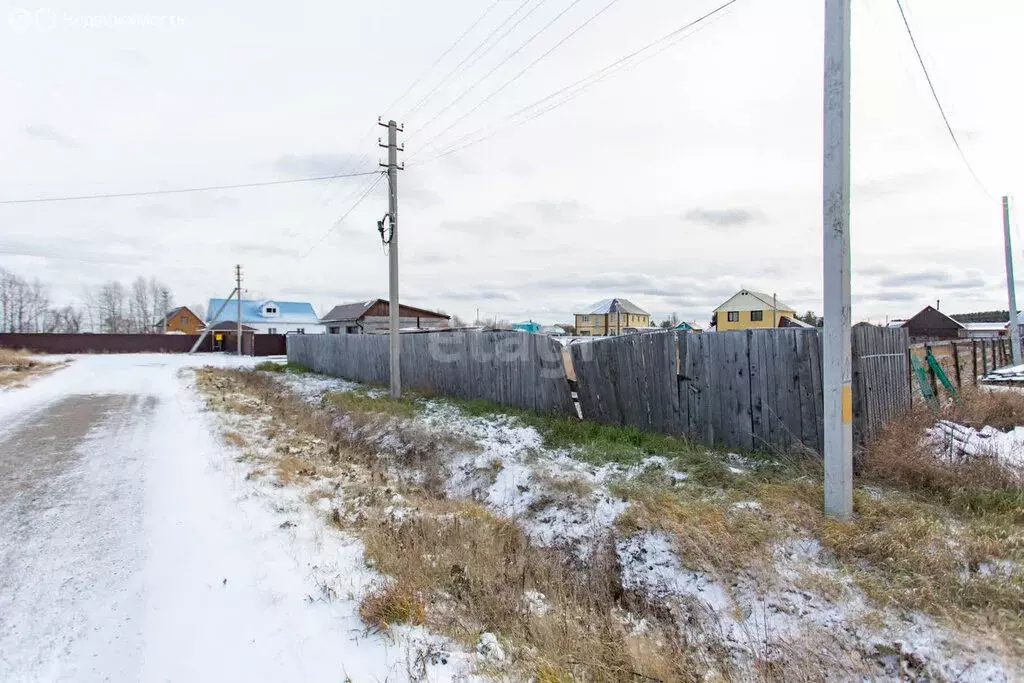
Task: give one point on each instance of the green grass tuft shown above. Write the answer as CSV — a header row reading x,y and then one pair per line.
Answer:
x,y
361,401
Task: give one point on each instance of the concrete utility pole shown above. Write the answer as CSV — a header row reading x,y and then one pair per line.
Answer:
x,y
1011,289
238,300
212,321
837,367
394,307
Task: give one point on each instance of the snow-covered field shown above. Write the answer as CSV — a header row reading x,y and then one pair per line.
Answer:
x,y
132,548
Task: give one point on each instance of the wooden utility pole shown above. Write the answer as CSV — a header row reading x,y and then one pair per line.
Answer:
x,y
837,366
1011,289
394,307
238,299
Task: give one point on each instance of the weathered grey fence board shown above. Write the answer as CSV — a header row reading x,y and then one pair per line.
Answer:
x,y
510,368
630,380
880,389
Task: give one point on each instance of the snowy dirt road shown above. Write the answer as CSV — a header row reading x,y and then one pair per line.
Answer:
x,y
132,548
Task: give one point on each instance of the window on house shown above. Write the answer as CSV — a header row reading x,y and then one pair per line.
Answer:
x,y
734,316
271,330
334,330
586,318
184,320
756,316
271,310
300,330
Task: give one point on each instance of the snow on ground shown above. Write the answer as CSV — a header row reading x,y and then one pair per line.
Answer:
x,y
142,553
956,441
563,502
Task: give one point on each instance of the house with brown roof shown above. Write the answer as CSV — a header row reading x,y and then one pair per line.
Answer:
x,y
180,320
372,317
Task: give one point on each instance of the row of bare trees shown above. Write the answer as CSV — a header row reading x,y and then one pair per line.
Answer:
x,y
112,307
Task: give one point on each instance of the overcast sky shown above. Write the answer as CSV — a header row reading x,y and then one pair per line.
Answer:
x,y
673,183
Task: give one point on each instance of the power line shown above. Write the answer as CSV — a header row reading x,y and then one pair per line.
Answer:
x,y
380,176
416,107
938,103
512,80
208,188
582,84
443,55
522,46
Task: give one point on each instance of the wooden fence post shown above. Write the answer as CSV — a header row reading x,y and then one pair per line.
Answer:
x,y
956,365
974,359
931,372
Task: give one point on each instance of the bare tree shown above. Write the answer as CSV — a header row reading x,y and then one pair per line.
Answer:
x,y
112,311
23,304
140,306
199,310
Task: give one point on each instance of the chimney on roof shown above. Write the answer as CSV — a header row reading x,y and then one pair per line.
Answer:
x,y
937,302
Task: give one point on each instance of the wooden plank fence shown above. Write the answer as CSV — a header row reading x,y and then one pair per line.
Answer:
x,y
754,389
881,378
510,368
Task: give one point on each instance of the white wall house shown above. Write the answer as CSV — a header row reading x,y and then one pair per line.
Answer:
x,y
269,316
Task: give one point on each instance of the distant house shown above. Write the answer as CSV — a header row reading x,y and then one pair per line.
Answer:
x,y
180,320
748,309
373,317
268,316
553,330
611,317
528,326
931,324
687,327
990,330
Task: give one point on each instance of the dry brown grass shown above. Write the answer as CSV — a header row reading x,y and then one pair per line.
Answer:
x,y
16,366
917,542
391,604
452,565
473,569
900,456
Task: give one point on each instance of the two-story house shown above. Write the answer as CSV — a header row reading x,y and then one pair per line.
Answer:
x,y
180,320
611,317
269,317
748,309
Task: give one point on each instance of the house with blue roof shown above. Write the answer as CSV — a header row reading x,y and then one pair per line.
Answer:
x,y
266,317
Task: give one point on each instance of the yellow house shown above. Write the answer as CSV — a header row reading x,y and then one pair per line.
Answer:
x,y
746,310
611,317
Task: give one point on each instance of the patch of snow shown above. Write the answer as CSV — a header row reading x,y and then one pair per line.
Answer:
x,y
749,505
490,649
536,603
312,387
650,564
957,442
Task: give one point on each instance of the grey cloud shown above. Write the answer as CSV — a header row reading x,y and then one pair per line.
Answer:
x,y
480,295
319,164
929,278
723,218
889,296
264,250
519,220
873,270
934,280
47,133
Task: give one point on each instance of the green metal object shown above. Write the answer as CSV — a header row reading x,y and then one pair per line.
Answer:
x,y
941,374
922,378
